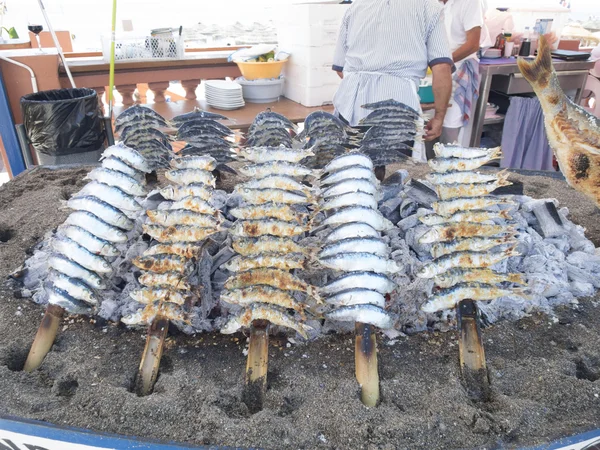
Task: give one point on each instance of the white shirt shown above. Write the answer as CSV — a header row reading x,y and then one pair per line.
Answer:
x,y
460,17
384,48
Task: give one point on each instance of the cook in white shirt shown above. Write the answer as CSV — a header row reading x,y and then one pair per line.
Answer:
x,y
464,21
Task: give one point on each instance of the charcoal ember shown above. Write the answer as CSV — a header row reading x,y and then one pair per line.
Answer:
x,y
391,209
408,207
398,177
388,192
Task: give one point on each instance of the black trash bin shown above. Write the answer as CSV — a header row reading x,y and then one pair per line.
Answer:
x,y
64,125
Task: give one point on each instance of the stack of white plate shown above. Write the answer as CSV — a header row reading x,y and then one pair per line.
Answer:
x,y
222,94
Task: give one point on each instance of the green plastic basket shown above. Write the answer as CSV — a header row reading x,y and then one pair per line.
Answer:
x,y
426,94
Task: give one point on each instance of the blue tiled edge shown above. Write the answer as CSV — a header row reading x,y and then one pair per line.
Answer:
x,y
568,441
80,436
9,133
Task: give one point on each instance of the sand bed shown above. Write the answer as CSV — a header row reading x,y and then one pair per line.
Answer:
x,y
543,369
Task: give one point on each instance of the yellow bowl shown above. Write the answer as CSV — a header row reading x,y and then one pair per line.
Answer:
x,y
259,70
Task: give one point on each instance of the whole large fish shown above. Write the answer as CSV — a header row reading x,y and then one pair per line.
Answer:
x,y
573,133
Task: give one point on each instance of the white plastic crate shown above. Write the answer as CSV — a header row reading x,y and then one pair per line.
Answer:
x,y
138,48
310,76
310,25
310,96
314,57
311,36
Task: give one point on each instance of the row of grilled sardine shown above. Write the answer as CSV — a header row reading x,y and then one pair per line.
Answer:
x,y
354,248
179,226
468,233
270,220
139,127
205,135
393,127
328,135
88,241
270,129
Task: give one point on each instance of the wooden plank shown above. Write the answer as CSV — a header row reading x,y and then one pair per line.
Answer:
x,y
365,362
257,365
193,60
10,46
150,363
471,352
187,50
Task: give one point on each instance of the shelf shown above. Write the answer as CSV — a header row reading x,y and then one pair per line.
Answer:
x,y
493,120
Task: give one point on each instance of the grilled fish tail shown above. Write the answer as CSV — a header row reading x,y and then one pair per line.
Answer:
x,y
539,72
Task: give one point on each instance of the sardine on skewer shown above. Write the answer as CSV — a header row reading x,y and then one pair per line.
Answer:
x,y
450,297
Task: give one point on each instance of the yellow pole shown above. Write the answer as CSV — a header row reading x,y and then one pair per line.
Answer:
x,y
111,72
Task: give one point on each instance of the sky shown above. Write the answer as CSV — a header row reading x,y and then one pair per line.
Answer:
x,y
89,19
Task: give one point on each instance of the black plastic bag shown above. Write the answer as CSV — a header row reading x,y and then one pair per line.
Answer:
x,y
63,121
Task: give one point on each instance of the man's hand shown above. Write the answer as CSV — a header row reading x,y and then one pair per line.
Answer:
x,y
433,129
340,74
442,88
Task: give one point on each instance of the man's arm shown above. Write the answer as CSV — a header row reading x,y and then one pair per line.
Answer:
x,y
340,73
470,46
440,61
442,89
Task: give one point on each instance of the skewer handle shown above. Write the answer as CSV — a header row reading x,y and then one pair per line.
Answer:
x,y
155,342
256,366
472,354
365,354
44,339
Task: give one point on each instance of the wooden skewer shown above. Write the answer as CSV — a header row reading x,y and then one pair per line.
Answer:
x,y
155,342
256,366
44,338
365,356
472,354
